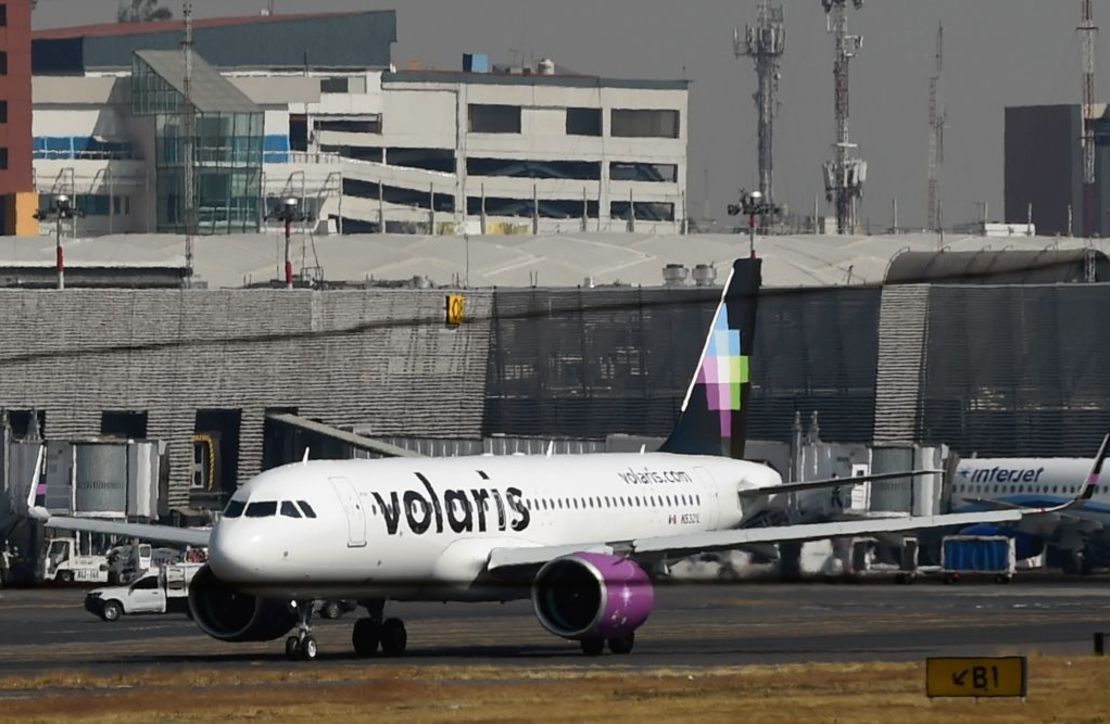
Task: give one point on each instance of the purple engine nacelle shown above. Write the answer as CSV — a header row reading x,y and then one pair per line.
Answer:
x,y
592,595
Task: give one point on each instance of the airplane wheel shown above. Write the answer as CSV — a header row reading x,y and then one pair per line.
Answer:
x,y
309,649
622,644
394,637
293,648
365,637
112,611
65,577
593,647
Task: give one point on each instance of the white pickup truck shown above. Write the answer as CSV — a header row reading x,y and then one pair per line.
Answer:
x,y
163,590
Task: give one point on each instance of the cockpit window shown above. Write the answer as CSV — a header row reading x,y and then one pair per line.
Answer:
x,y
308,511
262,509
289,510
234,509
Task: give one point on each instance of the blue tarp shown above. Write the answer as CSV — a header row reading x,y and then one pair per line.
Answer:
x,y
981,555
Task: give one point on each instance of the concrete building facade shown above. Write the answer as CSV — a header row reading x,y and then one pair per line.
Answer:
x,y
361,146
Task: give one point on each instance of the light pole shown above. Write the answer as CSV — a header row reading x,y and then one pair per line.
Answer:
x,y
753,204
289,212
61,209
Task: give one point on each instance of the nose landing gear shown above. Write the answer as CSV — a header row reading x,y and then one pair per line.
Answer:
x,y
302,646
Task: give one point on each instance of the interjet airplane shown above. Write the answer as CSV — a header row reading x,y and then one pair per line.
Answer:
x,y
580,535
1081,535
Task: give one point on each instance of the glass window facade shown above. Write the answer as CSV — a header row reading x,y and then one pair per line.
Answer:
x,y
227,159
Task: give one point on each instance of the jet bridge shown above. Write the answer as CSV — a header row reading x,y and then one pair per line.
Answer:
x,y
289,434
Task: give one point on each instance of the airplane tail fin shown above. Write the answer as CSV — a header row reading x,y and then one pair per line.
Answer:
x,y
714,416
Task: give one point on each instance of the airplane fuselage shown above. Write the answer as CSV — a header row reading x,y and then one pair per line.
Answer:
x,y
1033,483
424,528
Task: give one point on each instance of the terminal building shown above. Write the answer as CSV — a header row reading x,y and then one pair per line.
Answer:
x,y
324,117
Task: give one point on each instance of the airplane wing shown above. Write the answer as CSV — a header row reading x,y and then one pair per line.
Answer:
x,y
145,531
678,546
832,483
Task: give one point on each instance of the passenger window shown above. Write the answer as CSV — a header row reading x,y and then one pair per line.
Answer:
x,y
145,584
289,510
307,509
234,509
262,509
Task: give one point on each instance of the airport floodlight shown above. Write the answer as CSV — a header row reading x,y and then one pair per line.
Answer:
x,y
753,204
289,212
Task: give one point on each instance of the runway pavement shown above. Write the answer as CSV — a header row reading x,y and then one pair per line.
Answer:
x,y
693,625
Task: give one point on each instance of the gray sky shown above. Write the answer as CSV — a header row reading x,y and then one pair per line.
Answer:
x,y
997,53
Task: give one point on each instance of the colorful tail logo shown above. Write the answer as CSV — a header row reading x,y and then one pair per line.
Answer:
x,y
714,413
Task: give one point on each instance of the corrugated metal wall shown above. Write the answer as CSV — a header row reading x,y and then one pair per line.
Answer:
x,y
383,359
1005,370
1017,370
587,363
815,350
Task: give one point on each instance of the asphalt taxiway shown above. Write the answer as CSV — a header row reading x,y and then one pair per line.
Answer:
x,y
692,625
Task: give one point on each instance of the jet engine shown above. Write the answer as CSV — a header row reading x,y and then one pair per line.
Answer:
x,y
230,615
592,596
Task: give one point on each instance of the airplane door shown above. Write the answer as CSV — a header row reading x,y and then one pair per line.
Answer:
x,y
710,508
352,506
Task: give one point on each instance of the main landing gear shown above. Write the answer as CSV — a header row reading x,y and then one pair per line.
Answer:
x,y
618,645
302,646
372,632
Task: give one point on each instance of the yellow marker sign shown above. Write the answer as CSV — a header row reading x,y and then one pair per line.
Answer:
x,y
979,677
456,308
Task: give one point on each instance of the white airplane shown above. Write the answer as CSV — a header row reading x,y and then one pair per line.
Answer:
x,y
578,534
1082,533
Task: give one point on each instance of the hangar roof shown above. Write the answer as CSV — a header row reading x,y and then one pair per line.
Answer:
x,y
517,261
316,40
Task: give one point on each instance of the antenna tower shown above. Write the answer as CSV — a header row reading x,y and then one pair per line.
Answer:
x,y
188,120
936,137
1089,30
764,43
845,173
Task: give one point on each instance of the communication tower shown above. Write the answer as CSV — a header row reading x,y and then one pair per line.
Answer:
x,y
936,138
764,43
845,174
1088,30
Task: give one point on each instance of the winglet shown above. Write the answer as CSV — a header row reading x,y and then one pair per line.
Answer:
x,y
305,458
1087,490
33,488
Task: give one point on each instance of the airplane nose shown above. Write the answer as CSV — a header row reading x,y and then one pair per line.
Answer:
x,y
236,552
